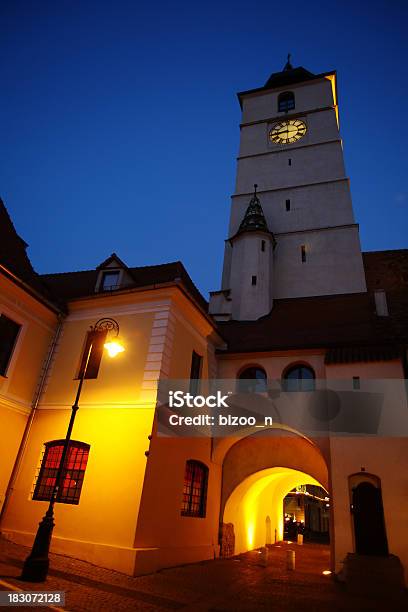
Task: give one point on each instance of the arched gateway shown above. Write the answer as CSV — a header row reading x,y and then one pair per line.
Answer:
x,y
258,472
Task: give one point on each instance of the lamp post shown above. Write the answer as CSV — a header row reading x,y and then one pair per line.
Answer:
x,y
36,565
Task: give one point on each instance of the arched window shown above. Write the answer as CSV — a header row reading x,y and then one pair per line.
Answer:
x,y
286,101
73,474
252,380
299,378
195,489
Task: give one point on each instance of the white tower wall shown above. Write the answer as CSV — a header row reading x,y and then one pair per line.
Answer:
x,y
251,301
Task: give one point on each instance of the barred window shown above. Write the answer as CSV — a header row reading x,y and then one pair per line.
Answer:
x,y
195,489
73,474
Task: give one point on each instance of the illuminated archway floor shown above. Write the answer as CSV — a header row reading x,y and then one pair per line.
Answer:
x,y
255,507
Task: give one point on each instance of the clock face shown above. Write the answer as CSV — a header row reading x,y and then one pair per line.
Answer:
x,y
288,131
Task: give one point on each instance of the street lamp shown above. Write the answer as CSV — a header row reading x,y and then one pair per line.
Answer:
x,y
36,565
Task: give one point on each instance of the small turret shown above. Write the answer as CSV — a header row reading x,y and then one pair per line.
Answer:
x,y
248,292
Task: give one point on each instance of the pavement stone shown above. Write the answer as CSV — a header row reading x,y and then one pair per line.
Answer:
x,y
240,583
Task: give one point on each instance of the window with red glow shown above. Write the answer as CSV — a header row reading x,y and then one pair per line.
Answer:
x,y
73,473
195,489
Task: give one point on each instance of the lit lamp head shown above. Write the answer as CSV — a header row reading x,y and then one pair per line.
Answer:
x,y
114,345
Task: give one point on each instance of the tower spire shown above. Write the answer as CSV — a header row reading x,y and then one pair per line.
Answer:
x,y
254,218
288,65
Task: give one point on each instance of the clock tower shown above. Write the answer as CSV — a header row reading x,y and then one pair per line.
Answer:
x,y
291,148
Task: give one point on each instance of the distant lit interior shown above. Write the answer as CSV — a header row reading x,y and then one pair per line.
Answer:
x,y
306,512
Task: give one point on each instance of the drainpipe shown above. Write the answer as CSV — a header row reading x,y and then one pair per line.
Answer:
x,y
27,430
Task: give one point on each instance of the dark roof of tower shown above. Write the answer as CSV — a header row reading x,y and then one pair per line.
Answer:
x,y
289,76
254,218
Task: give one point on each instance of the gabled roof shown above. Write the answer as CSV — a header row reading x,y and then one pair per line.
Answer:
x,y
112,258
73,285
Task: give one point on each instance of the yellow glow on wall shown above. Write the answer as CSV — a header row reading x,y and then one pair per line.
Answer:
x,y
250,535
332,79
258,497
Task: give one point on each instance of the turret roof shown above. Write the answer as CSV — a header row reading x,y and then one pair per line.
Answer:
x,y
254,218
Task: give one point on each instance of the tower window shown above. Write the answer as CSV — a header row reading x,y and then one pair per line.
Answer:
x,y
289,162
263,245
8,336
303,253
254,280
72,476
286,101
356,382
287,204
195,489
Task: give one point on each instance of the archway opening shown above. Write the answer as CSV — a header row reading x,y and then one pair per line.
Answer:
x,y
255,507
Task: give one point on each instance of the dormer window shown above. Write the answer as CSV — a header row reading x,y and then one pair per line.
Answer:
x,y
110,280
286,101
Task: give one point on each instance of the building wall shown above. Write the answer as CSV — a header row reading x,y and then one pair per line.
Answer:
x,y
311,206
164,537
309,95
115,418
251,301
384,456
18,387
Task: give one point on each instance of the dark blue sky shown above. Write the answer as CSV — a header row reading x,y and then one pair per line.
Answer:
x,y
119,121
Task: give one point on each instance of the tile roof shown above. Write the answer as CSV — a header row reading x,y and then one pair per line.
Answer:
x,y
73,285
333,320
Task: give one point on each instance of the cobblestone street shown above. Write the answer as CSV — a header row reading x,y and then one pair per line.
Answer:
x,y
241,583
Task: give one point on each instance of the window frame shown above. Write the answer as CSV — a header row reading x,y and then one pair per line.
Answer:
x,y
254,368
298,366
200,512
106,273
285,100
196,369
42,491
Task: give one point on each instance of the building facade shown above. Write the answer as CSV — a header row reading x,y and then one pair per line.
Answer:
x,y
301,311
